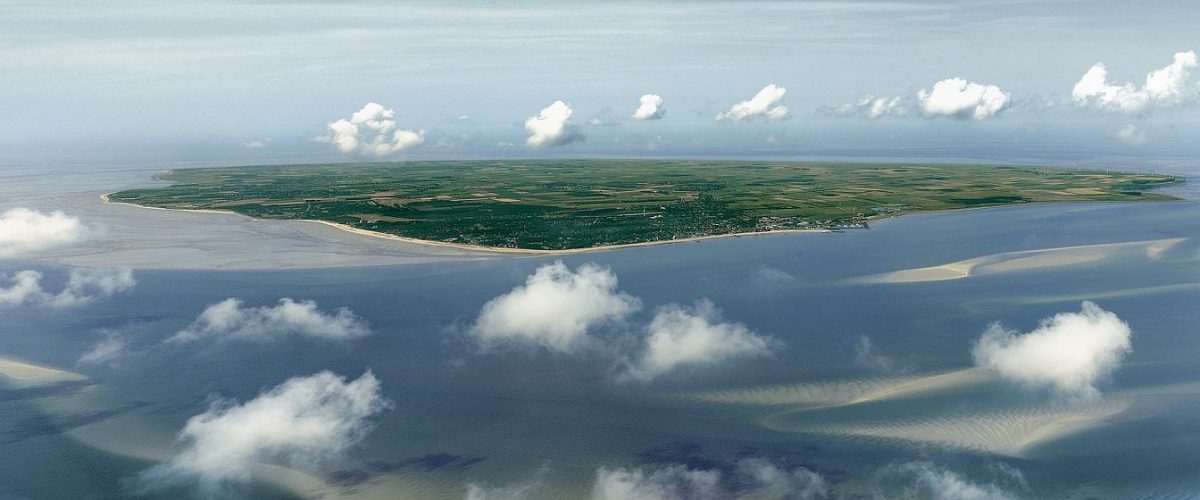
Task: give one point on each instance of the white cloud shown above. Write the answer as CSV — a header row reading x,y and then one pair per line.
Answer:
x,y
304,422
259,143
230,320
770,278
650,108
552,127
958,98
1131,135
767,480
669,483
926,480
872,107
23,231
517,491
765,104
1169,86
26,286
84,285
555,308
752,478
371,131
680,336
1069,352
866,356
106,351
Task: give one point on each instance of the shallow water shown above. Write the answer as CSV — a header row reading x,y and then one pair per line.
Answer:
x,y
462,416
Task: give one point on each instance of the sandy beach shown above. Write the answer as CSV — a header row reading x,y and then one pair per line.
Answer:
x,y
479,248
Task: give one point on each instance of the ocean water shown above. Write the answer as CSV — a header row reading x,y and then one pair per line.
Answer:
x,y
464,416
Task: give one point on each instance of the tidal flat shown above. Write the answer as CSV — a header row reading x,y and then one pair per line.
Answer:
x,y
463,417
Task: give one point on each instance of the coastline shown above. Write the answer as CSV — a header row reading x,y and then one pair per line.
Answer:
x,y
487,249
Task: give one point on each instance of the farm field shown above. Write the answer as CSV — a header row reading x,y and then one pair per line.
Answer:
x,y
575,204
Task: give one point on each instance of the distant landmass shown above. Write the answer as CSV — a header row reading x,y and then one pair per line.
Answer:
x,y
576,204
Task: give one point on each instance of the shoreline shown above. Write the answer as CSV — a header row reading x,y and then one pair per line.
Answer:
x,y
486,249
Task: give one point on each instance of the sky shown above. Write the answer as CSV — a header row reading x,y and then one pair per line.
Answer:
x,y
90,81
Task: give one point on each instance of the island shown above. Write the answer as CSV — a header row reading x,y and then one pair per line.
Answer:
x,y
559,205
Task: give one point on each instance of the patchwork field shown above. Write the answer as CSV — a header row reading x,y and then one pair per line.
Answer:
x,y
572,204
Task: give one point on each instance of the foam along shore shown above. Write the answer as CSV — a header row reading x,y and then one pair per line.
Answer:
x,y
1151,250
478,248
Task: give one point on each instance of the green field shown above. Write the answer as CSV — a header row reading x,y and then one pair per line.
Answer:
x,y
568,204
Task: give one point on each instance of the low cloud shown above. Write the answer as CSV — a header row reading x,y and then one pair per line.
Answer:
x,y
1068,353
867,356
958,98
605,118
767,480
693,336
552,127
925,480
650,108
1131,135
231,320
770,279
107,351
83,286
752,478
872,107
555,308
24,231
371,131
517,491
1169,86
950,98
766,104
259,143
676,482
304,423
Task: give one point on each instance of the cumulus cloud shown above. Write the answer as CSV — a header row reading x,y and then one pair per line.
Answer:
x,y
765,104
926,480
259,143
958,98
767,480
866,356
231,320
555,308
680,336
24,286
23,231
1068,353
107,351
1131,135
304,422
517,491
770,278
872,107
552,127
669,483
371,131
650,108
752,478
1169,86
84,285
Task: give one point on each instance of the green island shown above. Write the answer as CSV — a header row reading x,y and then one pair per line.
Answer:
x,y
577,204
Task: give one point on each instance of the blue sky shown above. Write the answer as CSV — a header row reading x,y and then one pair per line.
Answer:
x,y
203,80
